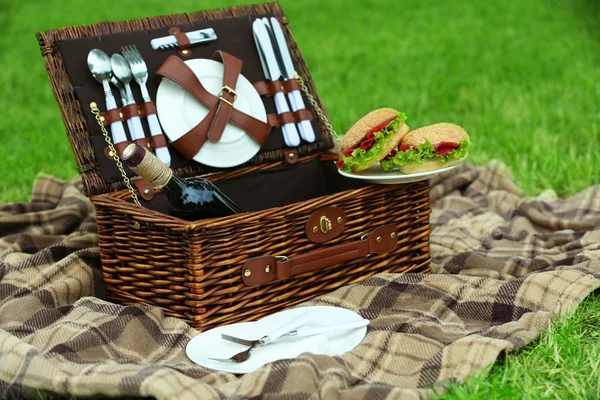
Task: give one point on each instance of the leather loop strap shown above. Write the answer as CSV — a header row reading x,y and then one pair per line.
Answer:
x,y
147,108
182,40
291,155
111,116
158,141
119,147
130,111
289,116
184,47
271,88
190,143
145,190
144,142
260,270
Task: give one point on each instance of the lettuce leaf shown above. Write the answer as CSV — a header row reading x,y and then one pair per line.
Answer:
x,y
425,152
361,158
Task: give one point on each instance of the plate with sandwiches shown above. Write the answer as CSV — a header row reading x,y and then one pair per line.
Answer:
x,y
375,174
381,148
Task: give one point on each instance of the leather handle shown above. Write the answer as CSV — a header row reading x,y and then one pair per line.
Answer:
x,y
260,270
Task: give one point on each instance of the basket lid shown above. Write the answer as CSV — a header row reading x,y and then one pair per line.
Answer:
x,y
65,52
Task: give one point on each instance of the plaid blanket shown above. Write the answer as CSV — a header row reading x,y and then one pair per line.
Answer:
x,y
504,266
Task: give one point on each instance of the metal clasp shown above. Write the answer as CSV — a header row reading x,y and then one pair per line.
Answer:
x,y
230,91
325,224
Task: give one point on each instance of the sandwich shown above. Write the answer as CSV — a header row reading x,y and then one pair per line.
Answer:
x,y
429,148
371,139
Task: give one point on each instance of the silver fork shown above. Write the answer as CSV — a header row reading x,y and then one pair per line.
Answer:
x,y
274,335
140,74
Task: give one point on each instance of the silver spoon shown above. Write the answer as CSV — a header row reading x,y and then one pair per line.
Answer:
x,y
100,67
121,69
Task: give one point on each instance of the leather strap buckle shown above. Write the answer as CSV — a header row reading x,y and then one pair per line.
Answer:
x,y
230,91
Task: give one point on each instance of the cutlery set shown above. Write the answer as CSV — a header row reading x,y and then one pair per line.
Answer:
x,y
277,64
120,70
291,329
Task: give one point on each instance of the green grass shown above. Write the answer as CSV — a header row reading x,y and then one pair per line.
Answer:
x,y
521,76
563,364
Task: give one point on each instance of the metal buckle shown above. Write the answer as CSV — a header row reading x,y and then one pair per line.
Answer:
x,y
230,91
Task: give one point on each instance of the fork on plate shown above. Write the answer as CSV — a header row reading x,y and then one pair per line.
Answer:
x,y
140,74
290,331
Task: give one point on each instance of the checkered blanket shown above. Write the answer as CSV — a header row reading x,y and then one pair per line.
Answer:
x,y
504,266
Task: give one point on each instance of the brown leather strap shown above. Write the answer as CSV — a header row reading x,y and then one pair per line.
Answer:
x,y
260,270
130,111
271,88
182,40
119,147
144,142
290,116
190,143
184,47
291,155
231,70
144,188
111,116
147,108
158,141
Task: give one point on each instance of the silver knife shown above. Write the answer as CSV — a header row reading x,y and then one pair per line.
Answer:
x,y
273,73
288,72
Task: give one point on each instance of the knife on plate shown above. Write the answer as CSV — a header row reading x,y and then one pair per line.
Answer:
x,y
287,68
273,73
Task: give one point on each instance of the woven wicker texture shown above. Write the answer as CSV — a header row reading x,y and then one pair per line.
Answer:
x,y
194,270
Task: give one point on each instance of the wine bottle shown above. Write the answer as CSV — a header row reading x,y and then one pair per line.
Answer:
x,y
191,199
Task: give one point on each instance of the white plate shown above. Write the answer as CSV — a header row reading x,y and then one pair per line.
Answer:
x,y
209,344
377,175
179,111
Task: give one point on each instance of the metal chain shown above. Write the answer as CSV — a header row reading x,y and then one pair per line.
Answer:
x,y
113,152
312,101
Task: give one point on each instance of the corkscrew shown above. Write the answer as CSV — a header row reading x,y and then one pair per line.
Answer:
x,y
195,37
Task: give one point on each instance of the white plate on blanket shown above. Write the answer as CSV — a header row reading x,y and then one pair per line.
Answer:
x,y
179,111
377,175
210,345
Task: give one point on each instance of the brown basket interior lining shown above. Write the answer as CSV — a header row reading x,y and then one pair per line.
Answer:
x,y
277,186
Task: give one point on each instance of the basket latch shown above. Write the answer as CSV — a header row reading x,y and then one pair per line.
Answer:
x,y
325,224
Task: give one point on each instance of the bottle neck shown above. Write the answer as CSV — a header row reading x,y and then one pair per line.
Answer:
x,y
153,170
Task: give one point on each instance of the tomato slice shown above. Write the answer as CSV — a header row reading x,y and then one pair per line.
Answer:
x,y
366,144
407,146
339,163
443,148
391,155
381,126
348,152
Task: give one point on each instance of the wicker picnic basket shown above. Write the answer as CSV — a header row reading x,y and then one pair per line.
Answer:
x,y
295,243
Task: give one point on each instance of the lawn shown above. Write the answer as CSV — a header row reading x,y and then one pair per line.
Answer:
x,y
521,76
